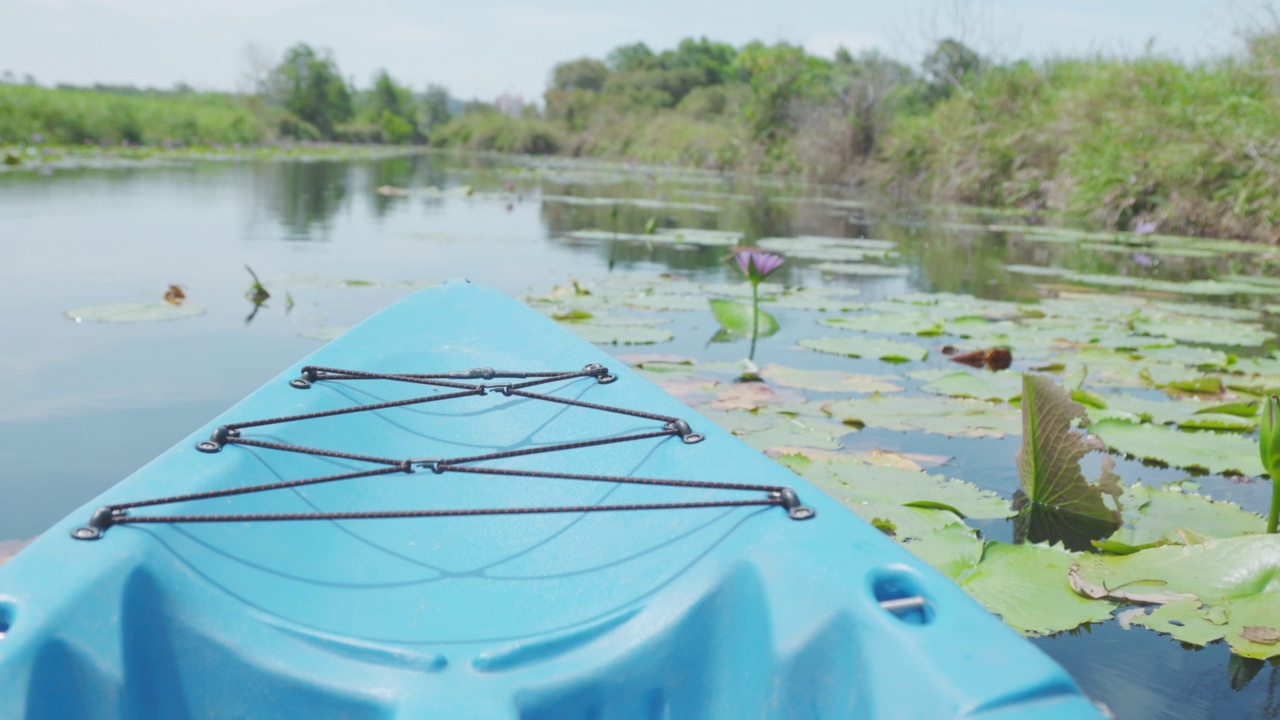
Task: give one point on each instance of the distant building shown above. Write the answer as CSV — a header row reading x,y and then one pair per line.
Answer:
x,y
509,104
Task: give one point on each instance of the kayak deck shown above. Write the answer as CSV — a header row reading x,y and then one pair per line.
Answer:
x,y
696,612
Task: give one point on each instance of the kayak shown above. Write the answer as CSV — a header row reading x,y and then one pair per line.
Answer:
x,y
458,509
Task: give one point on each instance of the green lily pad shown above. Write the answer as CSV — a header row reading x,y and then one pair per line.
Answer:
x,y
817,300
620,330
1184,413
899,324
854,482
829,380
942,416
797,433
738,321
1159,516
134,312
1235,581
1208,451
980,385
1026,585
893,351
1209,332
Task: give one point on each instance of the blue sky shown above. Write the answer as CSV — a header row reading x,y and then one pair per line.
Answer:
x,y
481,49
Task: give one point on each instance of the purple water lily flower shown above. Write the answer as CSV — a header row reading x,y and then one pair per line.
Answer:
x,y
757,264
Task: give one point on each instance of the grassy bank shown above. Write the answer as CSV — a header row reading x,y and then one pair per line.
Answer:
x,y
74,116
1118,143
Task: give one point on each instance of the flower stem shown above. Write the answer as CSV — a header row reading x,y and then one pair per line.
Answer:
x,y
755,318
1274,519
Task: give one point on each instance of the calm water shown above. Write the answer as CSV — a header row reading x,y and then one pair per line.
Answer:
x,y
83,405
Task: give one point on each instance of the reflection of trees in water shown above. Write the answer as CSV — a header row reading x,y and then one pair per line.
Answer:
x,y
304,196
410,171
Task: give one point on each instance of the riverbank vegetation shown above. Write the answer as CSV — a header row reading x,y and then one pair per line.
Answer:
x,y
1145,143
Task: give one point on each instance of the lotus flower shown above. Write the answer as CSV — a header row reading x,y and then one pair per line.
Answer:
x,y
757,264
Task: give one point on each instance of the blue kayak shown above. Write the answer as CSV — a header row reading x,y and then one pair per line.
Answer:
x,y
460,510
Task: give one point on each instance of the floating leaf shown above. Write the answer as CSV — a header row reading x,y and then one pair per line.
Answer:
x,y
1166,516
1215,332
854,482
795,434
888,350
1208,451
1026,585
1235,581
980,385
900,324
943,416
752,395
829,380
134,312
736,319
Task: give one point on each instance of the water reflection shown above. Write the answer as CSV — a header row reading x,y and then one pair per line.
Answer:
x,y
305,197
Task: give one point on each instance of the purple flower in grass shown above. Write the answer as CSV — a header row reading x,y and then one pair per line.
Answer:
x,y
757,264
1145,227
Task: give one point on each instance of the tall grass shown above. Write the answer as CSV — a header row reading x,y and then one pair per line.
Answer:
x,y
1118,142
78,116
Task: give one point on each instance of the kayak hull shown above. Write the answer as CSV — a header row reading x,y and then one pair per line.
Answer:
x,y
706,612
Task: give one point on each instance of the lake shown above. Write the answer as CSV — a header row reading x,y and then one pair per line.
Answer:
x,y
628,254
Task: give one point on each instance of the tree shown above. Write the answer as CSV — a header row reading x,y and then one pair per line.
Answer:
x,y
394,110
779,76
310,87
950,66
713,61
435,107
626,58
581,74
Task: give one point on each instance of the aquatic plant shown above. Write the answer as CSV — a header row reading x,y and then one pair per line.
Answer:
x,y
1269,448
757,265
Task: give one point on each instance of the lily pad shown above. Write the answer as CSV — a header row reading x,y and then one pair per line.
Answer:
x,y
1026,585
829,380
1209,332
616,331
738,321
1236,582
899,324
134,312
854,482
1163,516
1208,451
796,434
893,351
997,386
943,416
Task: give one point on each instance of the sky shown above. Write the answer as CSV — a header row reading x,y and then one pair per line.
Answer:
x,y
480,49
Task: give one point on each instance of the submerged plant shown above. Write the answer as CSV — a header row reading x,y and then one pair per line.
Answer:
x,y
1269,447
